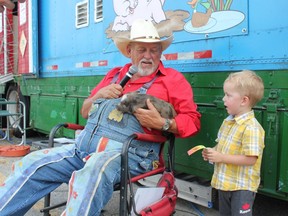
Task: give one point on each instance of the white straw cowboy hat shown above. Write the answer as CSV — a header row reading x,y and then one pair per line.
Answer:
x,y
141,31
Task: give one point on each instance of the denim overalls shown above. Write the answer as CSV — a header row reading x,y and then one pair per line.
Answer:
x,y
90,183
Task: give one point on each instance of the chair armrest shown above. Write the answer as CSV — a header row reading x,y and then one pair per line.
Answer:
x,y
54,130
150,137
2,102
124,165
126,144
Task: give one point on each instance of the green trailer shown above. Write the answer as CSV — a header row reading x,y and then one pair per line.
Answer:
x,y
52,66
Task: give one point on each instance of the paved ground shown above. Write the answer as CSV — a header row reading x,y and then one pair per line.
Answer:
x,y
183,207
264,206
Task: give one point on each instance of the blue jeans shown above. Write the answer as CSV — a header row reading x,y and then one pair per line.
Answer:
x,y
90,184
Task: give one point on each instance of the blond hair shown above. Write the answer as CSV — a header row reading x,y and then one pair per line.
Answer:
x,y
248,84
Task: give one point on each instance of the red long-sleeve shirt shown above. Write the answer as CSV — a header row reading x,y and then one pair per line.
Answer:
x,y
170,86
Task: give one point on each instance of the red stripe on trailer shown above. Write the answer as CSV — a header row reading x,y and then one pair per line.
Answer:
x,y
92,64
203,54
86,64
189,55
103,63
54,67
172,56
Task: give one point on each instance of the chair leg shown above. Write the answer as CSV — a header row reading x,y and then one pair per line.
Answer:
x,y
46,205
47,209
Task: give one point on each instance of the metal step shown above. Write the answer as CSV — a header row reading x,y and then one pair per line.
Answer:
x,y
188,189
6,78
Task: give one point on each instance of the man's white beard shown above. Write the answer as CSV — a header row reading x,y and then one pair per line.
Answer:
x,y
145,72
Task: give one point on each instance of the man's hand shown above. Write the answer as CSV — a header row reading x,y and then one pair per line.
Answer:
x,y
149,118
109,92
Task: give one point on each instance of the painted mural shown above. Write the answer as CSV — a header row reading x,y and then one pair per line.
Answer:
x,y
197,17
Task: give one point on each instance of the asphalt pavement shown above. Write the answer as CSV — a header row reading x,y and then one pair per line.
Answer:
x,y
183,208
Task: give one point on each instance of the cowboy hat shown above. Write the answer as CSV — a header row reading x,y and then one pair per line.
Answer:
x,y
141,31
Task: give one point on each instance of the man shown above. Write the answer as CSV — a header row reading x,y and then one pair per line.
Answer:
x,y
145,48
91,183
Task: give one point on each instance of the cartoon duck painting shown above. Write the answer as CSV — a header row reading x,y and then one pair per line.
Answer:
x,y
211,16
199,19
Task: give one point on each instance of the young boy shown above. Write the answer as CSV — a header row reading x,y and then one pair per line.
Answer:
x,y
240,143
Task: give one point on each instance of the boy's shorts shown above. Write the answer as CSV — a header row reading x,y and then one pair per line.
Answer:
x,y
236,203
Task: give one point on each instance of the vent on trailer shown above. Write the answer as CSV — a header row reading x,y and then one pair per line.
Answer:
x,y
82,14
98,10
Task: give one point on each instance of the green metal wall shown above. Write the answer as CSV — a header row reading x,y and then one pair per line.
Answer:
x,y
271,112
58,100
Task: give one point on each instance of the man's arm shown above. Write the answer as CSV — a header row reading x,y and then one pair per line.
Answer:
x,y
151,118
108,92
181,96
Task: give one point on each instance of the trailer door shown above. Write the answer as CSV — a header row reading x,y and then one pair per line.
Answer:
x,y
2,44
28,37
6,43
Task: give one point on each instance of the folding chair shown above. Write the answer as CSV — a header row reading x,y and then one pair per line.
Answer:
x,y
47,198
168,200
15,115
166,205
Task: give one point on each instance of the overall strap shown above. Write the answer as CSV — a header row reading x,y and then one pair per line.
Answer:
x,y
146,86
115,78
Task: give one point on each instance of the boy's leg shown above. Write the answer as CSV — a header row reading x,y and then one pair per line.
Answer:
x,y
242,202
225,203
34,176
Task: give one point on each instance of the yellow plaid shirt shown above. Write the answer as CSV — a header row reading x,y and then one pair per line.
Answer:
x,y
239,136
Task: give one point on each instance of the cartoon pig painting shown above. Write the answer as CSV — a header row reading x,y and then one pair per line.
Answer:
x,y
129,10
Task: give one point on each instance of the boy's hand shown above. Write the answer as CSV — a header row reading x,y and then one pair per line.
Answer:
x,y
204,154
211,155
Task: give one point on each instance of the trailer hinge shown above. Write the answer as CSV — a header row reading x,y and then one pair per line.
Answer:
x,y
272,104
273,101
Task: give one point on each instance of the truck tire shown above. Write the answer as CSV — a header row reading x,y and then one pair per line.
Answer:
x,y
14,94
